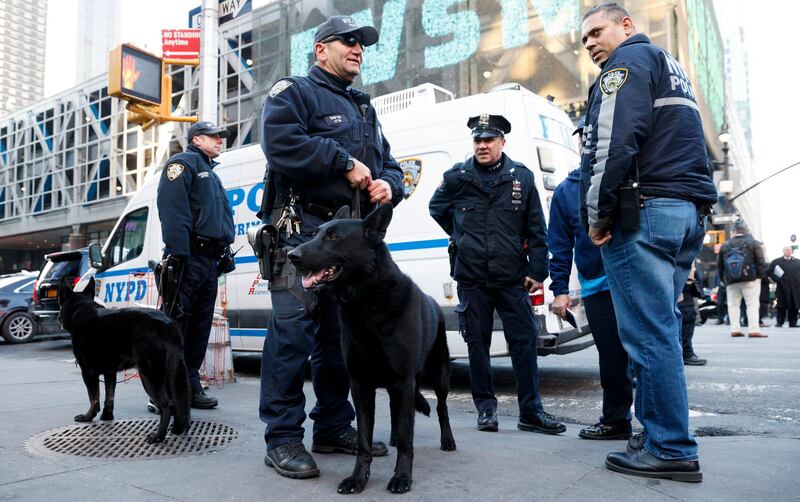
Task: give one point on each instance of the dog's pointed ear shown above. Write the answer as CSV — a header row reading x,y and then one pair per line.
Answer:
x,y
64,290
88,291
342,214
376,223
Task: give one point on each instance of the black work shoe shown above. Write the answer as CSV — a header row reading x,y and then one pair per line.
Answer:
x,y
347,442
541,422
693,360
487,421
606,431
203,402
292,460
153,407
636,442
643,463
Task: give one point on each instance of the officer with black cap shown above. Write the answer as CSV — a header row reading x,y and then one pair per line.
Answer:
x,y
490,208
197,229
325,149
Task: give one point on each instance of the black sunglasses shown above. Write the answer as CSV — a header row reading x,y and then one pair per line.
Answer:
x,y
349,40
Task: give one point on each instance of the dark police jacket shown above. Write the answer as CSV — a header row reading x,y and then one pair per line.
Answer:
x,y
642,110
311,126
193,203
565,234
500,230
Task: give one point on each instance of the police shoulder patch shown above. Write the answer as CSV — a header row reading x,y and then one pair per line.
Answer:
x,y
279,87
174,170
612,80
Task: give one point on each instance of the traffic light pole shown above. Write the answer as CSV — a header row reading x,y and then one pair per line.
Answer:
x,y
209,61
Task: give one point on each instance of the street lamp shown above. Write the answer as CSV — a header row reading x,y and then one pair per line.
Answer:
x,y
724,138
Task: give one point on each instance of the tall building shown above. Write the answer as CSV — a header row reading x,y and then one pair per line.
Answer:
x,y
98,33
737,72
23,25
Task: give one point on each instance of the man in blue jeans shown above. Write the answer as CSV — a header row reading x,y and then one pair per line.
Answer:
x,y
645,187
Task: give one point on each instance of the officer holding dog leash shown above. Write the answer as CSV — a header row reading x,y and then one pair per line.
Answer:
x,y
197,229
322,140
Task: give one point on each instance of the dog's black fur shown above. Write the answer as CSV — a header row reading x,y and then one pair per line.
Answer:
x,y
105,341
393,335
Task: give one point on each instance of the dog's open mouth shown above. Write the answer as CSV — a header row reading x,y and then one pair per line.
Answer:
x,y
327,274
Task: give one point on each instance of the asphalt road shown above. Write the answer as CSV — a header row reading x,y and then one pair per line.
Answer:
x,y
750,386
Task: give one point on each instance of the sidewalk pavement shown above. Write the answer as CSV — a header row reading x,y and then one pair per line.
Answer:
x,y
43,390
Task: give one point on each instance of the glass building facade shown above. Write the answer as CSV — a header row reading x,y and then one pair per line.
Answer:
x,y
68,163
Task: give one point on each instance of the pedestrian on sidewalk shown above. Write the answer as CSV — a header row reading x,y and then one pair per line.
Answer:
x,y
645,189
741,265
785,271
567,237
686,305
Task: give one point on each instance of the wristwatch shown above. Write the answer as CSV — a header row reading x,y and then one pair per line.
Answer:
x,y
351,163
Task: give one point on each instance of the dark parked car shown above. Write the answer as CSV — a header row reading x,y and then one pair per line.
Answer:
x,y
64,264
16,294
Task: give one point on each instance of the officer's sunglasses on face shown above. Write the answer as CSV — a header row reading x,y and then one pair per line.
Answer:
x,y
349,39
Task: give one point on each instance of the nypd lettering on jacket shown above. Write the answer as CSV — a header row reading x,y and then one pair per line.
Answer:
x,y
642,112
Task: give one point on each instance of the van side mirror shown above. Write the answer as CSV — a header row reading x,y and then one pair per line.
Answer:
x,y
96,257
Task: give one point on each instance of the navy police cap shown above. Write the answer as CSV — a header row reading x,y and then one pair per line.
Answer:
x,y
581,125
488,126
342,25
207,128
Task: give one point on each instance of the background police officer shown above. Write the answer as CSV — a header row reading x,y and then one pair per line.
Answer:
x,y
197,228
490,207
643,128
322,140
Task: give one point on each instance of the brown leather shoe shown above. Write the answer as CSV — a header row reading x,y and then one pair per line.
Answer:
x,y
737,333
757,335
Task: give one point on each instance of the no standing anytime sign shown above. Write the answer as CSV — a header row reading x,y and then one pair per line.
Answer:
x,y
181,44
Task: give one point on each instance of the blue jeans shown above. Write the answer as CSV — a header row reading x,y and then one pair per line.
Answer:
x,y
646,272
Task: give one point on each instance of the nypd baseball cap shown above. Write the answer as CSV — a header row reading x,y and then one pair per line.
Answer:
x,y
343,25
208,128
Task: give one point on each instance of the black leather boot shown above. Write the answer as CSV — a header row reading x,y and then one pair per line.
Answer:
x,y
292,460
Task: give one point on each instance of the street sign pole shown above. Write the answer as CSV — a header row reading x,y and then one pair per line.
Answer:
x,y
209,61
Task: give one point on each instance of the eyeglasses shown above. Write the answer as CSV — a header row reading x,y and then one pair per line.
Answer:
x,y
349,40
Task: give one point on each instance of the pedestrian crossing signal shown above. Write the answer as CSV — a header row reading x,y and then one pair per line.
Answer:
x,y
135,75
139,78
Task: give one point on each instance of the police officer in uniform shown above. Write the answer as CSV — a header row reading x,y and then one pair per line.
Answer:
x,y
645,186
197,228
324,149
490,207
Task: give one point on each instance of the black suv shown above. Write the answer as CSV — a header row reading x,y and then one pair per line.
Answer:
x,y
69,264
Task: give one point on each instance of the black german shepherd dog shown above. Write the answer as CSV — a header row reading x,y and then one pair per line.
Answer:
x,y
393,335
105,341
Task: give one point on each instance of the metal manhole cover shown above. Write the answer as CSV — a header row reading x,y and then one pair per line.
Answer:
x,y
124,440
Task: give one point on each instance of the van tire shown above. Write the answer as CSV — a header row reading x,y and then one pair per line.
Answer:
x,y
19,327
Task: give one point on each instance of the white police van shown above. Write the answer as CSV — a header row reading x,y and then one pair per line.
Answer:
x,y
427,130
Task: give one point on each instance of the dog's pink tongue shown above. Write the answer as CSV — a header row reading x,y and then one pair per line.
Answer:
x,y
312,278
